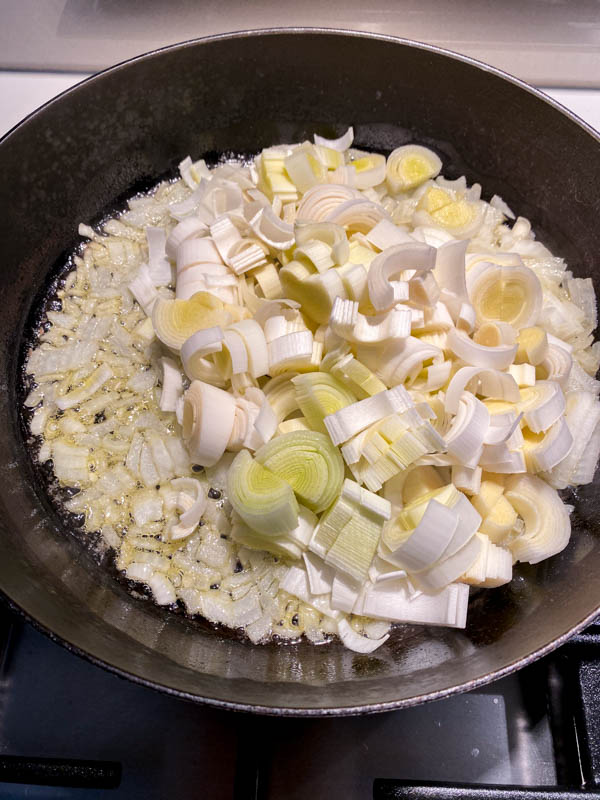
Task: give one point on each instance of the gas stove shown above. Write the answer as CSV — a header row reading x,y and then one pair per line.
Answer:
x,y
69,729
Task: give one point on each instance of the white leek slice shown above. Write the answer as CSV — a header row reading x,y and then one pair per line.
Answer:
x,y
393,601
243,425
176,320
468,518
311,465
193,356
506,294
320,574
409,166
436,237
356,641
194,251
359,378
335,519
158,263
193,172
488,495
200,344
524,374
281,394
296,583
547,525
544,451
294,424
501,459
493,334
425,544
172,384
349,421
340,145
479,355
450,270
451,208
436,318
317,254
320,201
354,280
467,479
256,346
304,168
542,405
502,428
353,550
225,235
401,360
358,215
385,234
450,569
346,321
493,566
232,358
197,278
315,291
281,547
465,437
533,346
292,352
320,394
369,170
276,325
330,234
264,501
583,418
143,289
267,277
189,228
556,365
272,230
438,375
247,254
385,293
500,522
491,383
208,416
418,482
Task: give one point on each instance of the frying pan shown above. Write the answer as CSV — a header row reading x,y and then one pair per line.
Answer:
x,y
78,157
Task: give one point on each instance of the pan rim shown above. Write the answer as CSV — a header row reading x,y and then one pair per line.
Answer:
x,y
309,711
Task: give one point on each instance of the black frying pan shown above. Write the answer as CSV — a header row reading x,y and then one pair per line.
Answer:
x,y
79,156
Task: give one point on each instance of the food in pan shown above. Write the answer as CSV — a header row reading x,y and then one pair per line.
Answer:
x,y
320,392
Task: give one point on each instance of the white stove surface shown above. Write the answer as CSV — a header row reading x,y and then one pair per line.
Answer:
x,y
23,92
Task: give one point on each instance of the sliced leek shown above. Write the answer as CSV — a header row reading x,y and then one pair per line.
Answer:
x,y
318,395
176,320
410,166
264,501
309,463
505,294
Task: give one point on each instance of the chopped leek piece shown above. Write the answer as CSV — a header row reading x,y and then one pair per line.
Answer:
x,y
176,320
309,463
547,525
263,500
409,166
318,395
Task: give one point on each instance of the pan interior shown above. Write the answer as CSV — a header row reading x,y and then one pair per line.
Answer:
x,y
77,159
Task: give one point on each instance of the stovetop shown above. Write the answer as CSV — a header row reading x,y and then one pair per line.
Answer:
x,y
73,724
